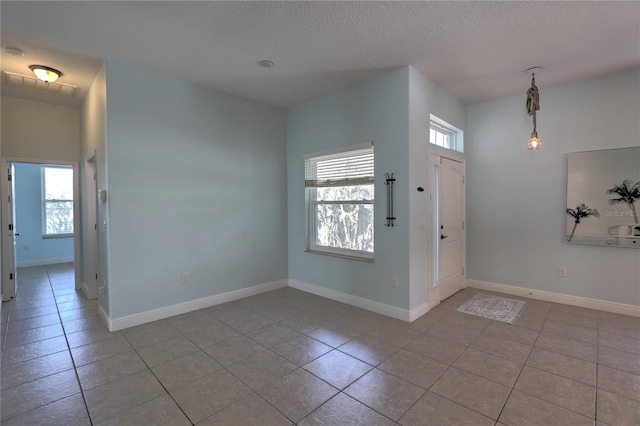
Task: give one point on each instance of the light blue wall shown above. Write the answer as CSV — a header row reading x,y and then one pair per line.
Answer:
x,y
516,199
197,183
31,248
377,111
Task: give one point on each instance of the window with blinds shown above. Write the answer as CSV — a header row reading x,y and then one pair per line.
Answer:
x,y
340,200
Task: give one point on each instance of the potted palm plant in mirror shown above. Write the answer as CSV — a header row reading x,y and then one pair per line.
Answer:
x,y
604,185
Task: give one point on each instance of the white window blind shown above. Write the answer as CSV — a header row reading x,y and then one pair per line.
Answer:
x,y
348,166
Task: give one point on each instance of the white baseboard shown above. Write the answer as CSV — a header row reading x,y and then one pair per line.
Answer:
x,y
44,262
87,292
548,296
359,302
181,308
419,311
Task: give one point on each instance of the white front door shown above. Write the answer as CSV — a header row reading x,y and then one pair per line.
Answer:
x,y
451,227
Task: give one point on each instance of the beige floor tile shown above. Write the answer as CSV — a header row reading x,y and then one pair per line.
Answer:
x,y
249,411
217,332
209,395
301,350
573,319
233,350
87,337
28,324
249,322
454,333
436,348
563,365
187,369
622,330
483,364
531,322
531,310
512,332
86,323
159,411
433,409
587,335
465,320
107,370
369,349
273,335
558,390
121,395
166,350
565,346
35,368
394,334
619,382
150,333
30,395
504,348
297,394
387,394
619,360
616,410
474,392
422,324
338,369
620,343
525,410
67,411
333,335
305,323
21,314
414,368
261,369
33,335
29,351
575,310
193,321
100,350
344,410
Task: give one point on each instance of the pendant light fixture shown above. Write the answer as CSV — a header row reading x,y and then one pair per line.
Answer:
x,y
533,105
44,73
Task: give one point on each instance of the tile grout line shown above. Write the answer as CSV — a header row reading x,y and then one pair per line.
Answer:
x,y
73,361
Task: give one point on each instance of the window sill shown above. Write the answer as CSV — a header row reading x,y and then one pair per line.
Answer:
x,y
342,255
52,236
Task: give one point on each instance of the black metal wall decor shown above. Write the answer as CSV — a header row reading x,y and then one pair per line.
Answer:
x,y
389,182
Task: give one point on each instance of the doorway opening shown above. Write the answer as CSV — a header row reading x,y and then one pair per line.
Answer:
x,y
40,216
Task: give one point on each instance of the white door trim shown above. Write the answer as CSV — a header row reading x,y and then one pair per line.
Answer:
x,y
77,247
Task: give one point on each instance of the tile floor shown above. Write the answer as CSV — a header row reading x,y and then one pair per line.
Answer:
x,y
288,357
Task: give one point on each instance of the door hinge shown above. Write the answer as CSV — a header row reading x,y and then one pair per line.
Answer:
x,y
463,224
462,178
11,276
10,227
463,270
95,226
96,276
10,177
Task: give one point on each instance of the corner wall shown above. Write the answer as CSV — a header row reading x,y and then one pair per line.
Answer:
x,y
376,110
516,199
197,184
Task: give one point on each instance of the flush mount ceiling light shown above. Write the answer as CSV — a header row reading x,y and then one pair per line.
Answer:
x,y
265,63
533,105
46,74
16,51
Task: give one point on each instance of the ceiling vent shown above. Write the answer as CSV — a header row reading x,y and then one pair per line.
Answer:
x,y
30,82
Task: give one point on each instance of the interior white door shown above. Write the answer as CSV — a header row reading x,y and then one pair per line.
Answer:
x,y
9,270
451,238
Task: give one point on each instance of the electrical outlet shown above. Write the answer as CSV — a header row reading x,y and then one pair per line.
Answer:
x,y
562,271
185,278
394,282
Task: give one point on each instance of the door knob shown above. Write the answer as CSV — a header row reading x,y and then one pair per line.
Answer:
x,y
17,234
442,237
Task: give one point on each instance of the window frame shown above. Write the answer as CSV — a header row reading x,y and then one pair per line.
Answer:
x,y
444,128
45,201
311,203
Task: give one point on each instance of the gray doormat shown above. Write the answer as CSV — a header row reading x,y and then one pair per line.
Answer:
x,y
493,307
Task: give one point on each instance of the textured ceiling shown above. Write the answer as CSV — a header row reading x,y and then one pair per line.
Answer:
x,y
475,50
